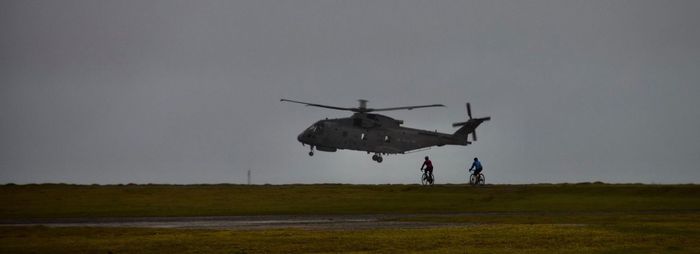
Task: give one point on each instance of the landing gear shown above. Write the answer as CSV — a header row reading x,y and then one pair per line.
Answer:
x,y
377,157
311,153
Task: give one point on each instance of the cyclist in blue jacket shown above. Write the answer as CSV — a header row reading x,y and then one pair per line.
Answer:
x,y
476,166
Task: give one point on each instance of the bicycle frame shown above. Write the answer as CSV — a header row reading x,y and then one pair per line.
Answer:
x,y
477,179
427,178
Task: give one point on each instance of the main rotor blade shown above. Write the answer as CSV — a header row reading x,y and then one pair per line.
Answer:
x,y
401,108
320,106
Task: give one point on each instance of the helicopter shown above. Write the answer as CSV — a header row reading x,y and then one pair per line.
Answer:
x,y
380,134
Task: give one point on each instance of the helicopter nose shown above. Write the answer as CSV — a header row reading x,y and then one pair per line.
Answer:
x,y
301,138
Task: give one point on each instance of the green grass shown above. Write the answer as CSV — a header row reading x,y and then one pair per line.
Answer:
x,y
52,201
661,235
562,218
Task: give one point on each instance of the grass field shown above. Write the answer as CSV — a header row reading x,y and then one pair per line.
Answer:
x,y
562,218
51,201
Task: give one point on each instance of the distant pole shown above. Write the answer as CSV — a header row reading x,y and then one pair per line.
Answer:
x,y
248,176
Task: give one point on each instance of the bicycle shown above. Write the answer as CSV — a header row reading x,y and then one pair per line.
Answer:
x,y
477,179
427,179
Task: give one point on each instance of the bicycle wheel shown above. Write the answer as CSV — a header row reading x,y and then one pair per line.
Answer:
x,y
472,179
431,179
482,179
424,179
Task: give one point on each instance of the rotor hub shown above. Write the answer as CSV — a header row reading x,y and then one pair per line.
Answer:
x,y
363,104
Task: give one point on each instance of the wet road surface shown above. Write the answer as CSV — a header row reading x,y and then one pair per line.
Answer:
x,y
236,222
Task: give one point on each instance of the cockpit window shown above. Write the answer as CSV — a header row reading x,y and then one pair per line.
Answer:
x,y
316,128
312,128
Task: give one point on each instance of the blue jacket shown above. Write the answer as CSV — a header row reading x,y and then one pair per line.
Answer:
x,y
476,165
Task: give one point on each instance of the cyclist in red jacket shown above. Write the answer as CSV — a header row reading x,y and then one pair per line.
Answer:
x,y
428,165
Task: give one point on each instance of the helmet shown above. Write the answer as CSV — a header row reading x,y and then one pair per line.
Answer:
x,y
426,157
476,159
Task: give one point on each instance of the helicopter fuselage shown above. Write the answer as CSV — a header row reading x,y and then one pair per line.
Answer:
x,y
372,133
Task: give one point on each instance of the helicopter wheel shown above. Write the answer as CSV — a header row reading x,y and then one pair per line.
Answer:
x,y
311,153
377,158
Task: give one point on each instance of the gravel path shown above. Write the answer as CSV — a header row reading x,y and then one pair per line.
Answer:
x,y
339,222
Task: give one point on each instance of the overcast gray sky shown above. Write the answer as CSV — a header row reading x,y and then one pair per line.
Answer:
x,y
171,91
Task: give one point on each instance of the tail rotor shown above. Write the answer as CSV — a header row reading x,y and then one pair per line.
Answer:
x,y
469,127
469,113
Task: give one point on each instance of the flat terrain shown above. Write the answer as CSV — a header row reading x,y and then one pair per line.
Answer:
x,y
561,218
62,201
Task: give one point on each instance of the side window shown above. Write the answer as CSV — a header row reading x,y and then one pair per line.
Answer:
x,y
363,136
387,139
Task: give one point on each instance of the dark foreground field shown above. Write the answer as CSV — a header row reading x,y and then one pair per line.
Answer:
x,y
563,218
